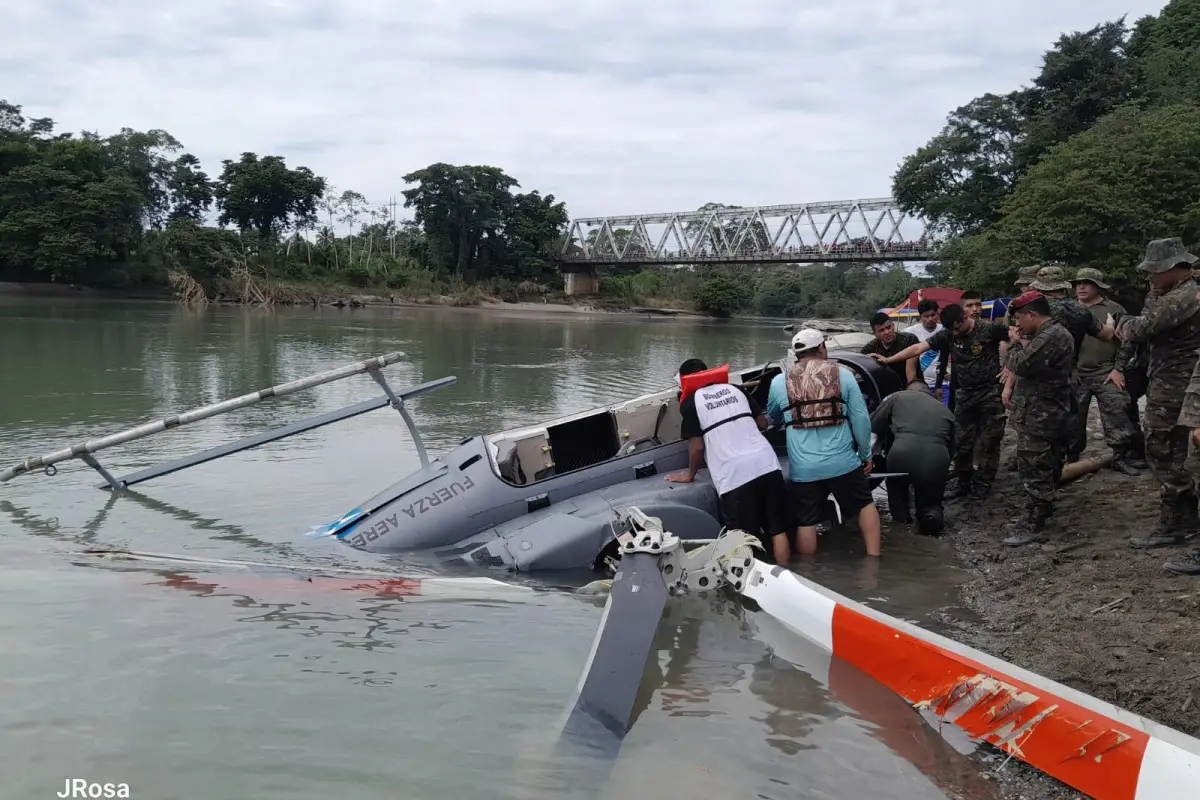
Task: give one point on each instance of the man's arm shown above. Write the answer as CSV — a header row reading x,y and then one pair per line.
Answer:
x,y
913,351
689,428
695,456
1092,326
775,400
940,341
1171,311
856,411
1028,359
1125,350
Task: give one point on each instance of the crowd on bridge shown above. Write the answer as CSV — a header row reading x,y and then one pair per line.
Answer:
x,y
1036,373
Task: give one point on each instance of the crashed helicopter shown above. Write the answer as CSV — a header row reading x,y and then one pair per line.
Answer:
x,y
537,498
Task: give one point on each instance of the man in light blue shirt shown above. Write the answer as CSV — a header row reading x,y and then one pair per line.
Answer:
x,y
828,440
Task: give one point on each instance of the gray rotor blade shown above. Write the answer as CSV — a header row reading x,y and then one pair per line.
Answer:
x,y
604,706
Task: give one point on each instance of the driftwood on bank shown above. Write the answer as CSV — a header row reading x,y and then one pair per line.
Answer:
x,y
187,289
1084,466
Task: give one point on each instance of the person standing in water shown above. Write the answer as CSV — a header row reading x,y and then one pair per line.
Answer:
x,y
723,426
828,440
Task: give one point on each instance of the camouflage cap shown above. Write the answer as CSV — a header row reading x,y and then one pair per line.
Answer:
x,y
1050,279
1091,276
1165,254
1027,275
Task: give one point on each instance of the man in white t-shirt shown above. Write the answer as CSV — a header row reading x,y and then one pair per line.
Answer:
x,y
723,426
928,326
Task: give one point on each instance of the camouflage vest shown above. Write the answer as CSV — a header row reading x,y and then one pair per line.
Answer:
x,y
814,388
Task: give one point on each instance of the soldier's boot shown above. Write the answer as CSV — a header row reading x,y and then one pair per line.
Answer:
x,y
1189,514
963,485
1185,565
1168,533
980,489
1137,452
930,521
1031,528
1122,464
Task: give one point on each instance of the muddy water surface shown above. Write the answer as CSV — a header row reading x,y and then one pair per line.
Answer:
x,y
194,683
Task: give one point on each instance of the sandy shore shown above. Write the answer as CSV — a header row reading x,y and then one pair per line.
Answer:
x,y
1085,609
349,299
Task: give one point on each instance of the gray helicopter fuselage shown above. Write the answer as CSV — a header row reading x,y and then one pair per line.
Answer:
x,y
543,498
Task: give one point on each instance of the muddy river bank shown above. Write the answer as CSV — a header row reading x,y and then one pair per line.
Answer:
x,y
1084,609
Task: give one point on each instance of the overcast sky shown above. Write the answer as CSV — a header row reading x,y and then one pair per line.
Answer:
x,y
615,106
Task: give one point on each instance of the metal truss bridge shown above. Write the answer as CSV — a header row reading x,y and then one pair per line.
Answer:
x,y
846,230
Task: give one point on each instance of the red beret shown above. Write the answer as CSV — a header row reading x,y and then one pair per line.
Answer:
x,y
1026,298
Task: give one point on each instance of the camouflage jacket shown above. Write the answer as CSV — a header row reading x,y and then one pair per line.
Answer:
x,y
1139,352
1170,326
1043,365
975,358
1077,319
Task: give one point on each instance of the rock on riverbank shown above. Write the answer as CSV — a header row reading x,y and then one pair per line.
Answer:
x,y
1085,609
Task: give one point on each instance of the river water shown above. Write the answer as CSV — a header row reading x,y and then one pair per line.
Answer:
x,y
213,684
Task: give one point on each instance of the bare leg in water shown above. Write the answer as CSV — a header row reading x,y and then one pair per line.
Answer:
x,y
781,549
868,523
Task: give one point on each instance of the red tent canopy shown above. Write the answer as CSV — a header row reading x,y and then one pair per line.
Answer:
x,y
942,295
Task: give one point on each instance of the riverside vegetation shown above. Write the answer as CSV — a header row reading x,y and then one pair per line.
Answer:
x,y
1082,167
131,212
1098,155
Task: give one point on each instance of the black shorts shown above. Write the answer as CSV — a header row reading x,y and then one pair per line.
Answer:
x,y
761,507
852,492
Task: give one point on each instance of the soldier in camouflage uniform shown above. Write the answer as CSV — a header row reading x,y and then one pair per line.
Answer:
x,y
1041,402
979,416
1101,369
1170,326
1025,276
1080,323
1189,417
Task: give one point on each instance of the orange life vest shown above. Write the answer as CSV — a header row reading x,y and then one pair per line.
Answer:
x,y
688,384
814,388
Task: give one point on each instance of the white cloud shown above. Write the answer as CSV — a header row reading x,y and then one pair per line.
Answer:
x,y
615,106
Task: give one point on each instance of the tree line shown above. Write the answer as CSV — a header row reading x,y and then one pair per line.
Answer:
x,y
795,291
135,210
1097,155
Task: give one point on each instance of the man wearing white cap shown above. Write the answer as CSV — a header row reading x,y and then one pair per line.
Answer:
x,y
828,440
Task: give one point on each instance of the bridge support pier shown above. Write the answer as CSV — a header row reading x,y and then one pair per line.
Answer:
x,y
584,282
